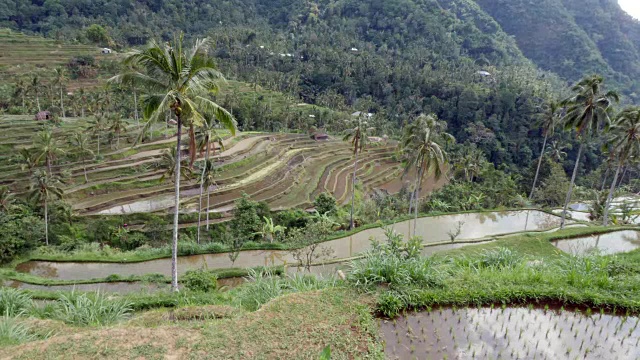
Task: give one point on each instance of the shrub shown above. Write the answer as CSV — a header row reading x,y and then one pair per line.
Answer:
x,y
325,204
200,280
501,258
14,302
90,309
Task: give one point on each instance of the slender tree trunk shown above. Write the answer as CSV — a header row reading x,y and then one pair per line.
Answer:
x,y
208,186
46,222
200,200
23,107
573,181
38,102
174,247
192,145
413,193
606,175
417,199
98,143
605,221
49,165
353,190
82,111
84,166
535,179
624,173
62,102
135,107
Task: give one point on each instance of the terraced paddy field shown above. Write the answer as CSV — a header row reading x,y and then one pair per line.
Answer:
x,y
284,170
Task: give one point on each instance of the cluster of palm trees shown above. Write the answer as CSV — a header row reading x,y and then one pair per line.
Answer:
x,y
589,112
179,80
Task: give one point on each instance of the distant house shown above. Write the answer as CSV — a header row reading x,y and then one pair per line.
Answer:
x,y
106,51
354,49
320,136
484,73
358,113
44,115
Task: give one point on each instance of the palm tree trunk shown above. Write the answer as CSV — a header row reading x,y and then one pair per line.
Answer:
x,y
605,221
411,202
353,189
573,181
200,201
23,107
624,173
98,143
38,101
417,198
192,145
135,107
174,247
606,175
535,179
49,165
62,102
206,159
84,166
46,222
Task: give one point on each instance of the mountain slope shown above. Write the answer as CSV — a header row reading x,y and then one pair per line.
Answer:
x,y
574,37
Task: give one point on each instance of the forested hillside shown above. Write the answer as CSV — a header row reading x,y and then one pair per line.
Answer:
x,y
396,59
574,37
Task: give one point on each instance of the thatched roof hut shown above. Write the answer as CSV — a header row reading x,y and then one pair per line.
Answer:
x,y
43,115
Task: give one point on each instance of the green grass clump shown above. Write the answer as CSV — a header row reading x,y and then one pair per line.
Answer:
x,y
90,309
14,302
13,332
264,286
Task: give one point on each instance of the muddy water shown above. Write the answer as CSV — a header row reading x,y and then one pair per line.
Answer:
x,y
431,229
512,333
611,243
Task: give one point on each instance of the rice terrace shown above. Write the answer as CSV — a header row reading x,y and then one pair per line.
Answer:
x,y
319,180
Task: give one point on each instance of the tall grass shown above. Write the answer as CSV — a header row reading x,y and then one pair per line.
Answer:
x,y
264,286
14,302
13,332
90,309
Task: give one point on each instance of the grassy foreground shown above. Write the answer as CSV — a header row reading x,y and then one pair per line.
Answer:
x,y
273,318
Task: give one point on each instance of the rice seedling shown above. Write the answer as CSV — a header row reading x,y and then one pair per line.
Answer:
x,y
14,302
90,309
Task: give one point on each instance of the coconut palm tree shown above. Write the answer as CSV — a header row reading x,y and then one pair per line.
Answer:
x,y
43,188
34,87
547,123
80,143
587,113
207,179
358,135
6,199
117,126
28,160
47,148
557,151
168,163
421,144
97,126
179,80
625,143
21,90
60,79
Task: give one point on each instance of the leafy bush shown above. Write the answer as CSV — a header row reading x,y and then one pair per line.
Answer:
x,y
325,204
14,302
200,280
501,258
20,231
90,309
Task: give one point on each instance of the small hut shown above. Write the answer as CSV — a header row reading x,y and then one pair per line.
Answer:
x,y
320,136
44,115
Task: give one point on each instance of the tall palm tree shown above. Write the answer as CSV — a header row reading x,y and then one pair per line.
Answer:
x,y
34,87
179,80
547,123
207,179
117,126
625,143
28,159
21,90
168,163
43,188
82,97
97,126
587,112
557,151
421,144
47,148
358,135
80,143
60,79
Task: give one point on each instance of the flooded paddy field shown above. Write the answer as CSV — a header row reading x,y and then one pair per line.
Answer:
x,y
510,333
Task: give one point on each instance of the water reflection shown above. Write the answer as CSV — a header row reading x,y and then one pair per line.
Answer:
x,y
611,243
432,230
